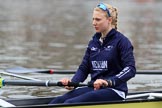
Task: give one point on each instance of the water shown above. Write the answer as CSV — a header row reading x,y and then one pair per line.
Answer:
x,y
54,34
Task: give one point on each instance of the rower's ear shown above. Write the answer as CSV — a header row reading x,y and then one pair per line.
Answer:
x,y
110,19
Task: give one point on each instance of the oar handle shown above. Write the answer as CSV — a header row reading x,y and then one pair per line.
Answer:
x,y
75,84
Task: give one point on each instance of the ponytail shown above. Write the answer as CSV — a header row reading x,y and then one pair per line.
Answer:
x,y
114,15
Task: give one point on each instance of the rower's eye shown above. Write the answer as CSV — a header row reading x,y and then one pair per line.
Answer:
x,y
96,19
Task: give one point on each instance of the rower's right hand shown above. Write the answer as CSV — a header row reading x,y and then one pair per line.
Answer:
x,y
65,82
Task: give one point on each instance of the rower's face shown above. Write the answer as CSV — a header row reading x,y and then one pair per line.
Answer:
x,y
100,21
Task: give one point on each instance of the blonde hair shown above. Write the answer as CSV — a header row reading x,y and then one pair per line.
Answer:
x,y
113,13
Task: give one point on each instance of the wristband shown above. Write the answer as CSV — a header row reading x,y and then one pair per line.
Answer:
x,y
110,84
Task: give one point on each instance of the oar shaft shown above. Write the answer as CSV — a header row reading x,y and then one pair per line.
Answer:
x,y
24,83
150,72
145,72
19,76
38,83
28,70
33,70
64,71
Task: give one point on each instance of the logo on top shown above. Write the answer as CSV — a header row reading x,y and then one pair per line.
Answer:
x,y
94,49
108,48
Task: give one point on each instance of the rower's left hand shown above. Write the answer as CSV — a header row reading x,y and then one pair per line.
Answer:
x,y
99,83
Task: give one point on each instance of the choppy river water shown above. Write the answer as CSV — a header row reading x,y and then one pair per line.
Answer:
x,y
54,34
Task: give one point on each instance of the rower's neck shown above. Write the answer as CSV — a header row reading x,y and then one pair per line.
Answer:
x,y
104,34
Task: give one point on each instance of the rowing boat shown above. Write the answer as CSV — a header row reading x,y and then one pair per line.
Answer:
x,y
133,100
139,99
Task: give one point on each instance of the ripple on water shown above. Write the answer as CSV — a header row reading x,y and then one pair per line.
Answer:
x,y
134,86
81,46
59,45
154,85
21,96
